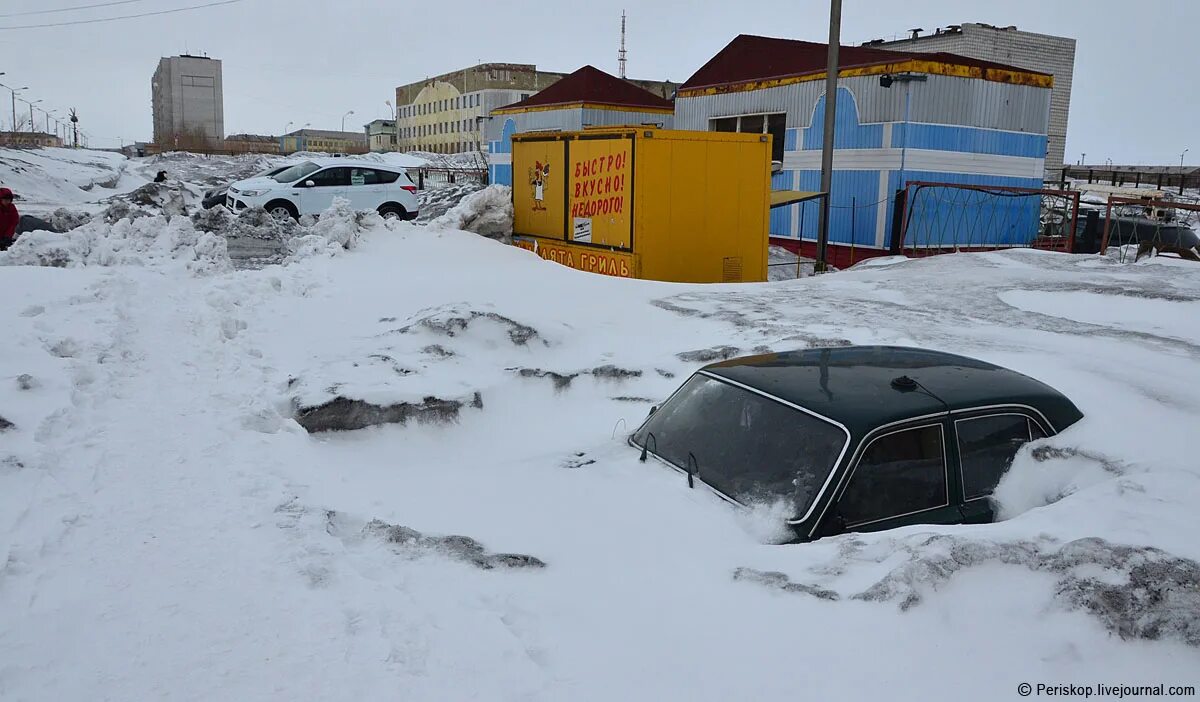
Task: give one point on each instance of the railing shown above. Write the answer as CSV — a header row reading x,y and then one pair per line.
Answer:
x,y
1161,180
441,175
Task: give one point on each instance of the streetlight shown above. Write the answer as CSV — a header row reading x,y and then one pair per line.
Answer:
x,y
1181,159
344,119
386,102
31,104
14,92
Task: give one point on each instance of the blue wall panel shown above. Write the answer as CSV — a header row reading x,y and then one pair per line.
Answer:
x,y
940,217
500,174
968,139
848,133
781,217
791,137
853,207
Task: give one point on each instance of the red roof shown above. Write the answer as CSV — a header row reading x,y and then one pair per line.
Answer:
x,y
592,85
752,58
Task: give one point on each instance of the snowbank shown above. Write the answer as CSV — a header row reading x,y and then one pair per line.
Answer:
x,y
208,242
46,179
144,241
164,514
487,212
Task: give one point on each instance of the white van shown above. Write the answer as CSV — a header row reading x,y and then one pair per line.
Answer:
x,y
309,187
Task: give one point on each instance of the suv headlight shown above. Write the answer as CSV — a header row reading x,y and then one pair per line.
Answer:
x,y
253,193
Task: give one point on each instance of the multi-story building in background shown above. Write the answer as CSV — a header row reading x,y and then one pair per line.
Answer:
x,y
252,144
323,140
186,95
444,114
41,139
1008,45
381,134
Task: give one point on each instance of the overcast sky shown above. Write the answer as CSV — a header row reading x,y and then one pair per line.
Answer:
x,y
1135,98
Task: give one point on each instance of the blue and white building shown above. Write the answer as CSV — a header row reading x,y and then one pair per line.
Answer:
x,y
901,118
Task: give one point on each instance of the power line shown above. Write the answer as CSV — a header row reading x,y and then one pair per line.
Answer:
x,y
113,19
68,9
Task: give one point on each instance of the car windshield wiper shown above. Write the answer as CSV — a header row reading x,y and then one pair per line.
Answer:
x,y
646,445
692,463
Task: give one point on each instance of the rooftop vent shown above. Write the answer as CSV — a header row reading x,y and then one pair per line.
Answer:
x,y
916,32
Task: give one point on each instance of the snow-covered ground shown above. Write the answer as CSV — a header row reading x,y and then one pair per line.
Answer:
x,y
168,529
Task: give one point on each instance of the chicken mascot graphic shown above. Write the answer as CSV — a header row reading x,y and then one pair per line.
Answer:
x,y
537,178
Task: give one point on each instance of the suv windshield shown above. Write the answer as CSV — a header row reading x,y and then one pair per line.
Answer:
x,y
296,172
749,447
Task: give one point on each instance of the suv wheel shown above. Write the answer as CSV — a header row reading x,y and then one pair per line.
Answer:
x,y
391,212
282,209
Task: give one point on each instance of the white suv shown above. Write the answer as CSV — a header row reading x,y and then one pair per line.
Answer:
x,y
310,186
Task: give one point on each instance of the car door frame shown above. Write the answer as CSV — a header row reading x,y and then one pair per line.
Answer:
x,y
368,196
830,522
305,208
979,510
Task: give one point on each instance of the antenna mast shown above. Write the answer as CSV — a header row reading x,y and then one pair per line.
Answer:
x,y
621,51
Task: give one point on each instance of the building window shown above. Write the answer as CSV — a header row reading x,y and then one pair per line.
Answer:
x,y
773,124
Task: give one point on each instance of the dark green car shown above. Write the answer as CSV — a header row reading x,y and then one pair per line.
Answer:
x,y
856,438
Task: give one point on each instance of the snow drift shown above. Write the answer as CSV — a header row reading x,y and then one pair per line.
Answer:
x,y
487,212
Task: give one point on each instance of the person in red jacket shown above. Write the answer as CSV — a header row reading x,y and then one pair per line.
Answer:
x,y
9,217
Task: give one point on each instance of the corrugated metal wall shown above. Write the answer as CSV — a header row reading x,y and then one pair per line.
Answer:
x,y
938,100
606,118
572,119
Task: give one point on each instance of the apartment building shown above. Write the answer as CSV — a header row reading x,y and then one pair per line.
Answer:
x,y
445,114
188,103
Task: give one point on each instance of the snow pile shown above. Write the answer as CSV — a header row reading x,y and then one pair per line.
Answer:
x,y
169,511
205,169
170,199
143,241
337,229
254,238
46,179
487,212
437,199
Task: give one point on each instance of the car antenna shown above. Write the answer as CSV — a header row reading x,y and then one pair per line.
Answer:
x,y
692,462
903,383
646,445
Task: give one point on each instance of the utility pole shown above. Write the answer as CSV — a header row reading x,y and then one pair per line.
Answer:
x,y
621,52
831,81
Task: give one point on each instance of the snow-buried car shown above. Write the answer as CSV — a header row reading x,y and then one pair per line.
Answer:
x,y
858,438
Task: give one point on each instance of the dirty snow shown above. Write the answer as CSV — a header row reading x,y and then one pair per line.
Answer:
x,y
168,528
487,212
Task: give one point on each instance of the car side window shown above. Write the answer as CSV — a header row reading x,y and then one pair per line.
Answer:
x,y
898,474
331,177
986,448
364,176
387,176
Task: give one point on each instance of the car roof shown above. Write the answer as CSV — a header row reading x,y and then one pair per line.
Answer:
x,y
325,162
852,385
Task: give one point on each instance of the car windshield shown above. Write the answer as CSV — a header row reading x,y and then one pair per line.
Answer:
x,y
296,172
273,170
749,447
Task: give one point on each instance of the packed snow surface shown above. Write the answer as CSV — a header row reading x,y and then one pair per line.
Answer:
x,y
170,529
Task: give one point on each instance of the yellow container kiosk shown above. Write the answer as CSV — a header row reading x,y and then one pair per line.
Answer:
x,y
637,202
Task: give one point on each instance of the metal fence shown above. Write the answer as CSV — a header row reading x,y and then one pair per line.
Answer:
x,y
438,175
1161,179
946,217
1153,226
